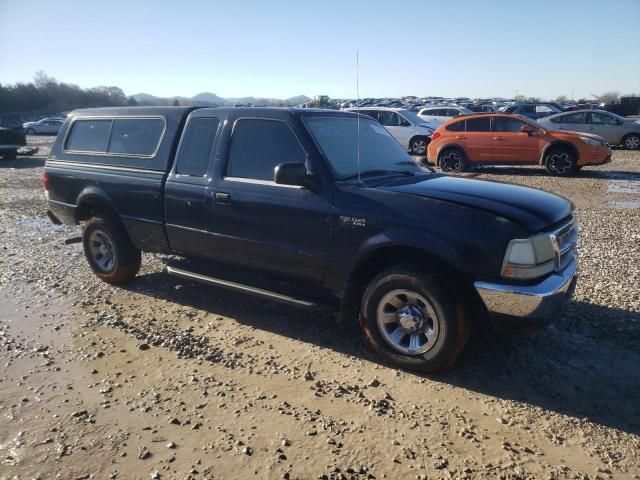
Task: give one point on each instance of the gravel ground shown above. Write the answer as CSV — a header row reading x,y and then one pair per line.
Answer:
x,y
167,379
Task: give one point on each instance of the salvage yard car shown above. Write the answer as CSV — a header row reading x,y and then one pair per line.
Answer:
x,y
46,126
501,139
293,205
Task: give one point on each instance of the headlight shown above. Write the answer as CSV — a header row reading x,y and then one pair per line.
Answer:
x,y
528,258
591,141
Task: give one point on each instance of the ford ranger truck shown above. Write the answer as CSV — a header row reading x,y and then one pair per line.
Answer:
x,y
317,209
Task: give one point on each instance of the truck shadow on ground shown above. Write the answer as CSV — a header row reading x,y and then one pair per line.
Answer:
x,y
23,162
585,365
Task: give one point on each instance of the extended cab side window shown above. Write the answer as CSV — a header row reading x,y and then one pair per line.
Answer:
x,y
89,136
135,136
193,159
259,145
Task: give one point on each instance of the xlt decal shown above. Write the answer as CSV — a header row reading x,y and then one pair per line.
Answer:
x,y
356,222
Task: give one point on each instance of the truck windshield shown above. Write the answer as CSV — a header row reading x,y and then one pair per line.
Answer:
x,y
337,138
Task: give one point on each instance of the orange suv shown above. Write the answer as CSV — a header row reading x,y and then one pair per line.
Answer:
x,y
502,139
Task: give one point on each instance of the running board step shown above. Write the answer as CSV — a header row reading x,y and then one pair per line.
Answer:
x,y
239,287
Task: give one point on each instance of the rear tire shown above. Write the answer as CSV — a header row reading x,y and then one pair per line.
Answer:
x,y
631,141
452,160
561,162
109,251
418,146
411,319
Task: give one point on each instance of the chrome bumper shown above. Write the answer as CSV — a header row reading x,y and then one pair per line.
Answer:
x,y
526,307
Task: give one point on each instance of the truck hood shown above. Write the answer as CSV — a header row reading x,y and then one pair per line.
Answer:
x,y
532,208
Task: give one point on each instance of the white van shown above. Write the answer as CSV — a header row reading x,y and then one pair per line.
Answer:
x,y
413,133
437,115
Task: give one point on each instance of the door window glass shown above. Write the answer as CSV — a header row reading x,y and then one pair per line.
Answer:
x,y
574,118
456,126
602,119
481,124
195,150
389,119
507,124
258,146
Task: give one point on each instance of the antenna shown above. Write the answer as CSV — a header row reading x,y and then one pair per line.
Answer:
x,y
358,119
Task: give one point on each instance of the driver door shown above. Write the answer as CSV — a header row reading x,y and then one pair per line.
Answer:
x,y
257,222
511,145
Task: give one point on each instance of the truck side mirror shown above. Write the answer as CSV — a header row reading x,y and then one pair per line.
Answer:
x,y
293,173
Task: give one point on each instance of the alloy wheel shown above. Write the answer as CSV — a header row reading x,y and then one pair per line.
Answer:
x,y
419,147
451,162
102,251
407,321
560,163
632,142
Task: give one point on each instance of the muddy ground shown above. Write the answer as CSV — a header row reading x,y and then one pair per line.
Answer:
x,y
168,379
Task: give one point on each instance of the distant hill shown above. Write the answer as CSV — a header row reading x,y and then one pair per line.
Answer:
x,y
211,99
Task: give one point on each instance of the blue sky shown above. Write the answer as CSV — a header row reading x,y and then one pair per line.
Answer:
x,y
281,48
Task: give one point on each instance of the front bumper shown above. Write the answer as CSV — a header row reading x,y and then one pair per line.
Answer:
x,y
522,308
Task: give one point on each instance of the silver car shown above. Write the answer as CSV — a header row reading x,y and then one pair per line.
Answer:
x,y
613,128
49,126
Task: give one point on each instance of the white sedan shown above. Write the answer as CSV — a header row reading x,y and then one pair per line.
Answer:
x,y
48,126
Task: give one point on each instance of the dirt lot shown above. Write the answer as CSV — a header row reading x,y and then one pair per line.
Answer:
x,y
167,379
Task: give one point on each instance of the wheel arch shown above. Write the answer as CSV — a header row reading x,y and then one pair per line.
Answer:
x,y
440,259
558,144
450,146
418,135
93,201
627,135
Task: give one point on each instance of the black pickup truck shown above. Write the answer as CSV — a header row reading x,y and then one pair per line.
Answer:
x,y
315,208
12,135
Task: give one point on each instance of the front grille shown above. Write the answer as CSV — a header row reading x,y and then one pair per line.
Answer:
x,y
565,243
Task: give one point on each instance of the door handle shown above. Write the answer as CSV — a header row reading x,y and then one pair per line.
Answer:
x,y
222,197
499,139
460,137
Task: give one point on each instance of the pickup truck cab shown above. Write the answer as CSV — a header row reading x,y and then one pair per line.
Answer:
x,y
296,206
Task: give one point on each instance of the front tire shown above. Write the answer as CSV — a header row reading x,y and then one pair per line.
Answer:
x,y
109,251
560,162
631,141
452,160
411,319
418,146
